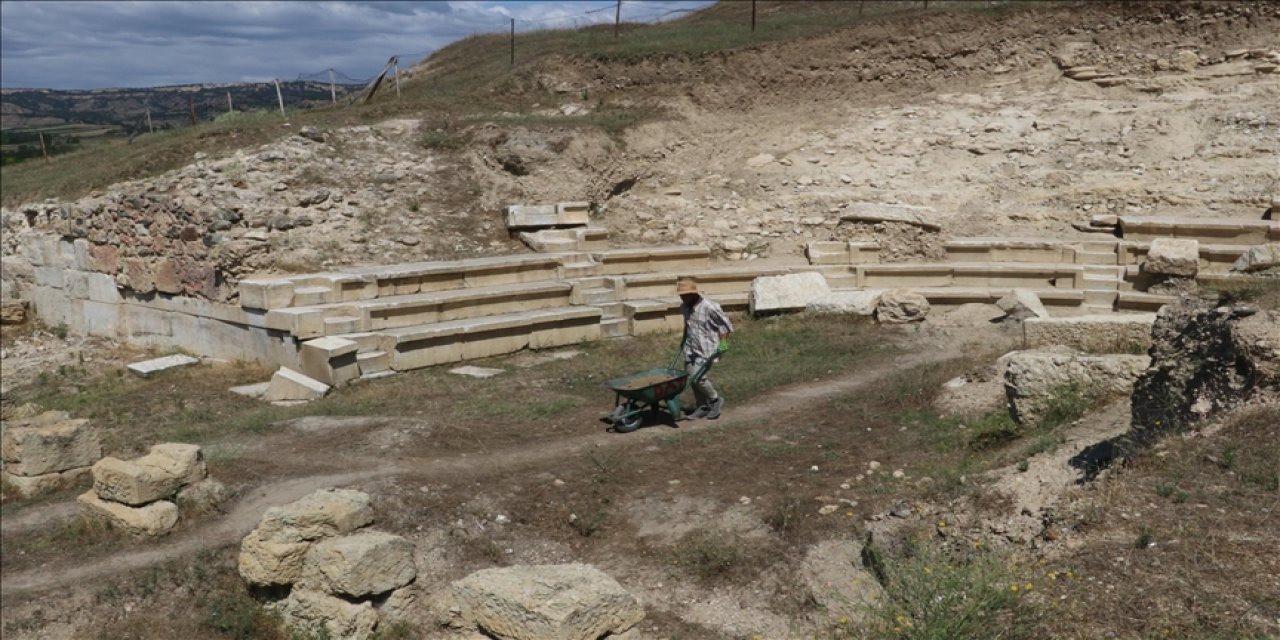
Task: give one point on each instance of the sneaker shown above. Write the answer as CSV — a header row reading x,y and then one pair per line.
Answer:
x,y
699,413
713,411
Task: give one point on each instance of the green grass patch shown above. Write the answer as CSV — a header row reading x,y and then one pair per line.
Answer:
x,y
933,593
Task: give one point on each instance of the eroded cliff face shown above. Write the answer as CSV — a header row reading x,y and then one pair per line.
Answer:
x,y
1207,356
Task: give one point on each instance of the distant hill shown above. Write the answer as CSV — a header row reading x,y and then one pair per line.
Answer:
x,y
170,106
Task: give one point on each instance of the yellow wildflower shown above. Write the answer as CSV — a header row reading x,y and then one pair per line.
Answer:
x,y
1029,586
1013,588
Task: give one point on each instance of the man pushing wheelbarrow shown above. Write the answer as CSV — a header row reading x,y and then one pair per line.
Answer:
x,y
706,333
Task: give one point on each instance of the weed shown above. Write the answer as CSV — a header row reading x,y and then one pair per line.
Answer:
x,y
1066,404
1023,465
784,518
931,593
414,204
236,615
59,330
588,524
1164,490
398,630
442,140
709,554
1145,539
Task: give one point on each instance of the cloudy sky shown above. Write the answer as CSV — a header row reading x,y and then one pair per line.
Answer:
x,y
85,45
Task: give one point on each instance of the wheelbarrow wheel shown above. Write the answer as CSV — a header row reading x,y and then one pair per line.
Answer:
x,y
628,421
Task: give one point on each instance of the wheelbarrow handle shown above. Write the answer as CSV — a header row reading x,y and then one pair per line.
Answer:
x,y
706,365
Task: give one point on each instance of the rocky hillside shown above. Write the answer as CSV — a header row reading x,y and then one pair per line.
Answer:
x,y
1013,123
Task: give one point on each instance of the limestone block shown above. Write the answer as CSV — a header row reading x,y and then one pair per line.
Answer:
x,y
531,216
1185,61
153,519
202,496
833,574
267,561
13,311
273,553
52,277
288,384
32,486
138,275
148,368
1104,333
1022,304
861,302
365,563
132,483
1034,380
99,319
1259,258
788,292
49,444
1174,257
330,360
324,513
320,615
566,602
182,461
899,306
101,287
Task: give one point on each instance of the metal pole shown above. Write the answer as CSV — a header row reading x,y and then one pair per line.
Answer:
x,y
43,150
753,16
333,89
150,129
513,42
229,107
397,79
617,19
280,99
191,102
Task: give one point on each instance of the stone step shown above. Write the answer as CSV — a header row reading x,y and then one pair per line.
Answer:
x,y
1097,257
371,362
836,253
335,325
466,339
594,282
615,327
1025,275
714,282
987,249
308,296
574,270
1100,283
1095,270
1100,298
1140,301
611,309
598,296
1100,246
1238,231
670,259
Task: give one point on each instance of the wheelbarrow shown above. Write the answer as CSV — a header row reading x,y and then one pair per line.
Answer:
x,y
651,391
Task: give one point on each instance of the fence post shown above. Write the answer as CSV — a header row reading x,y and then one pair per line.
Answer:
x,y
333,89
397,65
191,103
280,98
753,16
513,42
229,107
617,19
43,150
150,129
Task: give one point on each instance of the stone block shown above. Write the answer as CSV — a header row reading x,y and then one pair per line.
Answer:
x,y
365,563
1258,258
49,444
862,302
315,614
899,306
168,278
1173,257
1103,333
833,573
267,561
101,287
52,277
1036,380
138,275
1022,304
148,368
182,461
371,362
330,360
273,553
153,519
566,602
202,497
288,385
129,482
99,319
13,312
788,292
33,486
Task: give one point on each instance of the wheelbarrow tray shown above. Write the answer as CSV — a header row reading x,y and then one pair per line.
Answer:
x,y
654,385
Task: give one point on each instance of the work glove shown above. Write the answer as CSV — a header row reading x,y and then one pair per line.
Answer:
x,y
723,346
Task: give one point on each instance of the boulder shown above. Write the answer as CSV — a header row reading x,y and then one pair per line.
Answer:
x,y
49,443
316,614
788,292
153,519
288,385
1173,257
899,306
129,482
273,553
32,486
565,602
1185,61
1206,358
832,572
13,311
203,496
1038,381
1022,304
182,461
1259,258
862,302
365,563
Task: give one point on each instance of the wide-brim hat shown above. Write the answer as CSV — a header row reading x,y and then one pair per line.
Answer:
x,y
686,286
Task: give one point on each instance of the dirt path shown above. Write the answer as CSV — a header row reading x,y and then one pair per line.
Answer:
x,y
246,514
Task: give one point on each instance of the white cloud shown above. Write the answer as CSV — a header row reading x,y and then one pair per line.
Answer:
x,y
77,45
